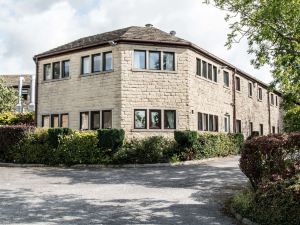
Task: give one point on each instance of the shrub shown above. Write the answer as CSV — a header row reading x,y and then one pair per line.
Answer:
x,y
13,118
111,139
270,158
55,133
9,136
253,134
186,138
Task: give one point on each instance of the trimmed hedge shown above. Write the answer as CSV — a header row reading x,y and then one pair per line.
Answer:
x,y
186,138
111,139
55,133
13,118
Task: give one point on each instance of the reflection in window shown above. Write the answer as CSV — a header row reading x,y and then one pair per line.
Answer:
x,y
140,119
56,70
210,71
107,61
226,78
139,59
168,61
106,119
47,71
215,74
65,68
95,120
170,119
154,60
155,119
204,69
96,61
85,65
84,120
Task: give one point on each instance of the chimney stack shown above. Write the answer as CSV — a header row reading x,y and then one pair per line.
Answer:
x,y
148,25
173,32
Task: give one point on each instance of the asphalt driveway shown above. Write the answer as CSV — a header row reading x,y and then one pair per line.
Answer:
x,y
166,195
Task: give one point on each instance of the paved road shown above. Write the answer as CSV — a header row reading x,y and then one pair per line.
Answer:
x,y
166,195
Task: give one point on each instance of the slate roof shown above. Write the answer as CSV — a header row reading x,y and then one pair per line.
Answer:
x,y
13,80
126,34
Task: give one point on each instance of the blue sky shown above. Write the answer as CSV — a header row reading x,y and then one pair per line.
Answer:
x,y
33,26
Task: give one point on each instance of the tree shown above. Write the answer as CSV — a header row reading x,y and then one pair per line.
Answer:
x,y
272,29
8,97
292,119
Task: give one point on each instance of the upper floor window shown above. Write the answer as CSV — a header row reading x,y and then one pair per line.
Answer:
x,y
276,100
55,70
154,60
107,61
198,67
204,69
65,68
47,71
209,71
168,61
226,78
139,59
272,99
85,65
215,74
96,63
260,93
238,83
250,91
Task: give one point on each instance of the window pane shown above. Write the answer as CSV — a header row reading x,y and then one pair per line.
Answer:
x,y
140,120
65,68
56,70
238,83
170,119
250,89
139,59
107,61
261,128
276,100
154,60
211,122
84,120
200,121
96,60
226,79
216,123
55,120
198,67
107,119
238,126
205,122
272,99
64,120
215,74
47,71
259,93
85,65
225,124
251,127
204,69
46,121
209,71
155,119
168,61
95,120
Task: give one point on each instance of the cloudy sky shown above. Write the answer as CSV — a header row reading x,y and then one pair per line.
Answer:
x,y
29,27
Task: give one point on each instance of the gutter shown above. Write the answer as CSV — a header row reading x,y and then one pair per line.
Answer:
x,y
36,91
269,113
234,101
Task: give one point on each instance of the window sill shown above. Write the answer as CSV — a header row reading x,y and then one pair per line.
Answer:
x,y
205,79
96,73
55,80
259,100
154,71
152,130
226,87
250,96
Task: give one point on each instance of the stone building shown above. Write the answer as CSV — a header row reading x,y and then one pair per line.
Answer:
x,y
149,82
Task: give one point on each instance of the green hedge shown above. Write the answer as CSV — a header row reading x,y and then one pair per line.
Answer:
x,y
111,139
13,118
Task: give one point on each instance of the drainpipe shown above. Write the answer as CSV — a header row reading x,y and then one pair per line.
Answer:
x,y
36,91
19,107
269,112
233,101
32,94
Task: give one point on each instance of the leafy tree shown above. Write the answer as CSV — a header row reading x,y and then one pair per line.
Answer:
x,y
272,29
8,97
292,119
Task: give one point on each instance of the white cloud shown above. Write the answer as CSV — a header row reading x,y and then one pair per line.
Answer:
x,y
36,26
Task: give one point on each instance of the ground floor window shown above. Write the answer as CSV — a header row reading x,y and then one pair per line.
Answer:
x,y
95,120
261,129
251,127
227,123
140,119
46,121
273,129
84,120
170,119
106,119
55,120
64,120
238,126
155,119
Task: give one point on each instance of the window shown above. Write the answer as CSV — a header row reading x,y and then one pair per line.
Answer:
x,y
251,127
211,123
250,89
139,59
276,100
170,119
238,83
205,122
227,123
238,126
25,94
198,67
55,120
278,130
273,129
272,99
96,63
47,71
46,121
95,120
168,61
140,119
64,120
106,119
155,119
260,94
65,68
200,121
209,71
154,60
204,69
215,74
56,70
261,129
85,65
226,78
216,124
84,120
107,61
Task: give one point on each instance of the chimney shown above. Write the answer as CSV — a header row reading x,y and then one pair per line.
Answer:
x,y
173,32
148,25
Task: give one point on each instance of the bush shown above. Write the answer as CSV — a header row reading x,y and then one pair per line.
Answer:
x,y
253,134
13,118
271,158
9,136
111,139
186,139
55,134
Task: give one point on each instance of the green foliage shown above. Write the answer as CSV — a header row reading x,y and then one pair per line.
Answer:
x,y
111,139
55,134
8,97
292,119
13,118
272,29
186,138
